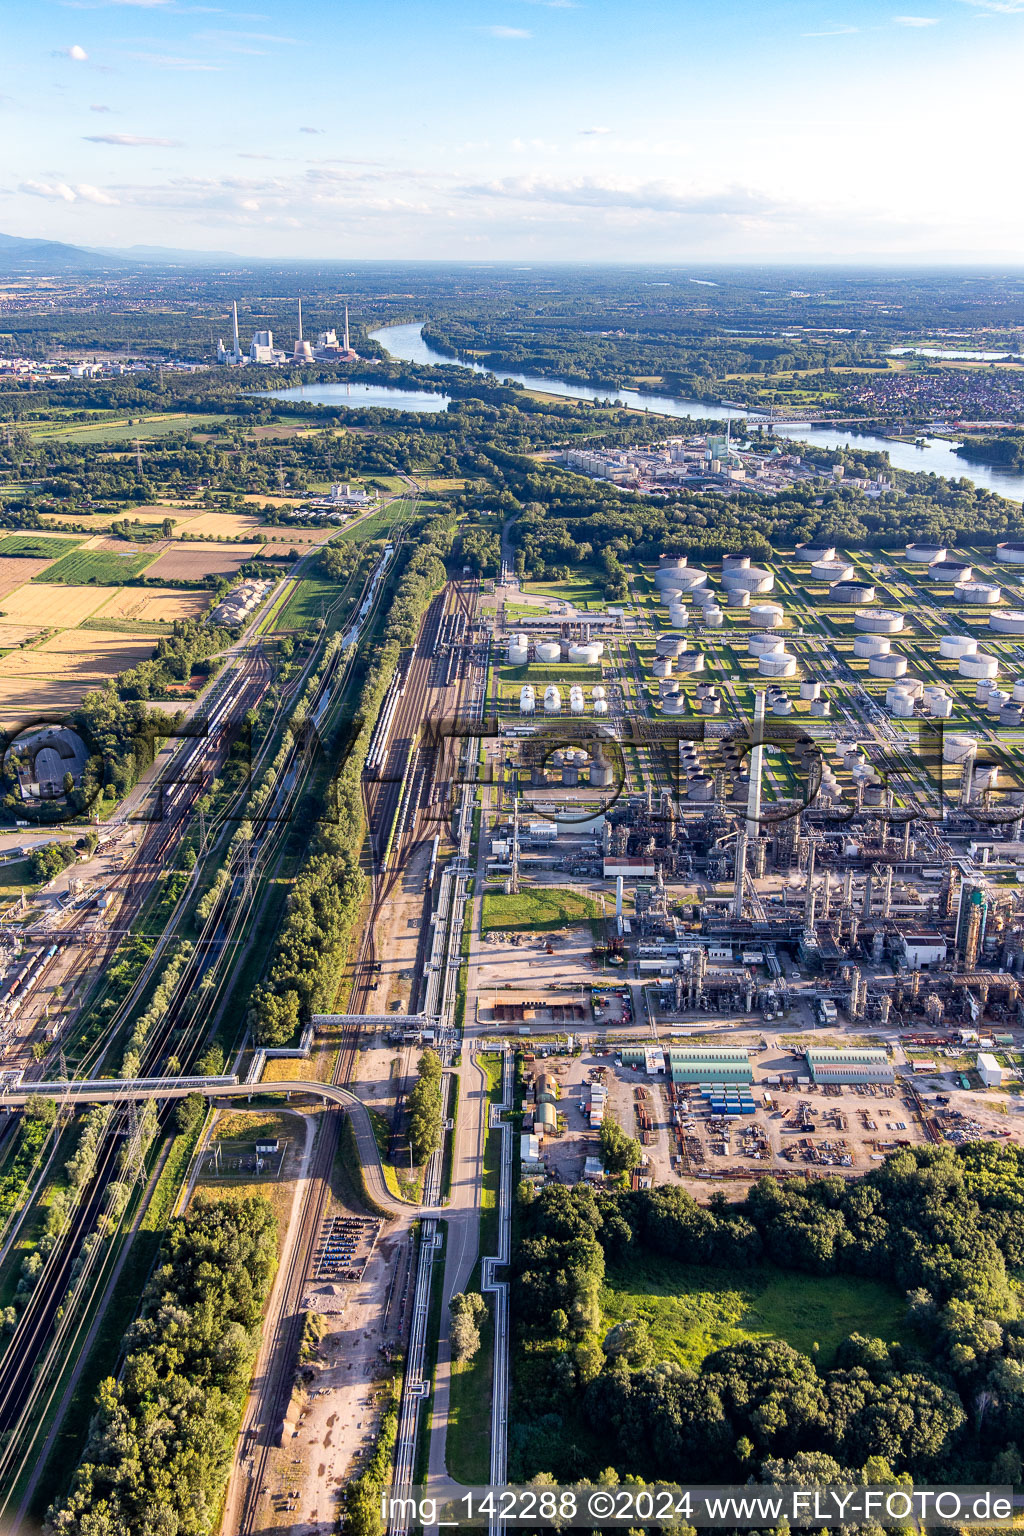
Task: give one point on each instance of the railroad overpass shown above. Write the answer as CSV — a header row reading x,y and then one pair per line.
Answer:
x,y
109,1090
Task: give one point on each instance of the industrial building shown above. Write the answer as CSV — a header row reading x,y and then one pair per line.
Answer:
x,y
712,1064
828,1064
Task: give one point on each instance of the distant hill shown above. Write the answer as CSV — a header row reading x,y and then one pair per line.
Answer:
x,y
43,257
168,255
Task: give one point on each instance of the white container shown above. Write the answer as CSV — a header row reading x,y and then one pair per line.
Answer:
x,y
1010,554
958,749
738,598
810,689
998,699
852,592
667,685
903,707
979,593
814,552
782,706
712,616
831,571
670,595
925,554
887,666
662,666
588,655
754,579
1010,623
823,709
552,700
955,646
884,622
693,661
712,705
669,645
940,708
527,700
600,706
951,571
981,666
576,699
779,664
871,645
765,645
679,615
1018,691
518,650
674,704
735,563
549,650
766,615
599,692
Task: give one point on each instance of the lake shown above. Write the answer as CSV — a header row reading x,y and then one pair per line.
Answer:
x,y
934,456
357,396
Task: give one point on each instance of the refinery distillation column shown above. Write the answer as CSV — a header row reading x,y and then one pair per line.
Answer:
x,y
752,827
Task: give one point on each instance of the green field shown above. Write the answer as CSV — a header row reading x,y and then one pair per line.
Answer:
x,y
692,1311
120,430
310,601
377,525
97,567
536,911
36,545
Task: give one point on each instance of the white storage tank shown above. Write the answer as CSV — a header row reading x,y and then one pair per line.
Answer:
x,y
979,593
754,579
670,571
902,706
887,666
810,689
766,645
518,650
871,645
997,699
955,646
549,650
600,692
1010,554
735,563
980,665
738,598
576,699
712,705
669,645
925,554
831,571
852,592
552,700
679,615
884,622
1018,691
667,685
779,664
951,571
940,707
766,615
693,661
674,704
703,595
986,776
712,615
1009,623
822,708
782,706
701,788
1010,715
588,655
670,595
689,581
982,691
662,666
527,700
600,706
815,552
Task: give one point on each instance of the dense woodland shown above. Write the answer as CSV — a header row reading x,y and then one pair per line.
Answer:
x,y
942,1225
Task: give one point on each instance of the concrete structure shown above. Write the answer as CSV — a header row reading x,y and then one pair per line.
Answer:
x,y
852,592
979,593
925,554
1009,623
855,1065
979,665
952,647
887,666
871,645
885,622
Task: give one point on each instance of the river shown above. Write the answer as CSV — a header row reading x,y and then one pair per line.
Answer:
x,y
934,456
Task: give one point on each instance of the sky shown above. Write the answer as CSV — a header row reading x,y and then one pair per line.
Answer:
x,y
521,130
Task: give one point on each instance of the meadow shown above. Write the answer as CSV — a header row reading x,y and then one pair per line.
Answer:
x,y
95,567
536,911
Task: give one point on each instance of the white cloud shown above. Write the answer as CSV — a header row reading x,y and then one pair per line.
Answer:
x,y
99,107
595,130
916,21
644,197
170,61
312,130
506,32
76,52
132,141
61,192
998,7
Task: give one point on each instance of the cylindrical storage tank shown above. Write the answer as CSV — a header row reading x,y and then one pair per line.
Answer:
x,y
669,645
810,689
951,570
674,704
778,665
765,645
667,685
712,705
998,699
940,707
887,666
1010,554
679,615
1010,623
600,706
600,692
986,776
712,616
782,706
958,749
925,554
703,595
690,581
980,665
588,655
822,708
527,700
831,571
912,686
552,700
766,615
518,650
735,562
693,661
979,593
702,788
871,645
670,595
852,592
1010,714
601,773
884,622
1018,691
662,666
902,706
738,598
982,691
576,699
755,579
955,646
815,552
549,650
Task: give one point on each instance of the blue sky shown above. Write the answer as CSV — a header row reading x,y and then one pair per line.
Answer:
x,y
682,130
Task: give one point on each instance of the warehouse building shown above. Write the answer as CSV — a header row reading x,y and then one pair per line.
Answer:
x,y
828,1064
722,1064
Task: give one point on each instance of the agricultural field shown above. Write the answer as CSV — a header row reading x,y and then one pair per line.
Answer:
x,y
56,674
101,567
54,607
691,1310
15,572
194,562
37,546
153,605
310,601
123,429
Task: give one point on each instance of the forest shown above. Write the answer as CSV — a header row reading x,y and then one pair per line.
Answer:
x,y
941,1225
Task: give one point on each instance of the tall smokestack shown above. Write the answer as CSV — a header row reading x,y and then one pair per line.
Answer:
x,y
348,347
300,319
756,768
234,321
809,899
